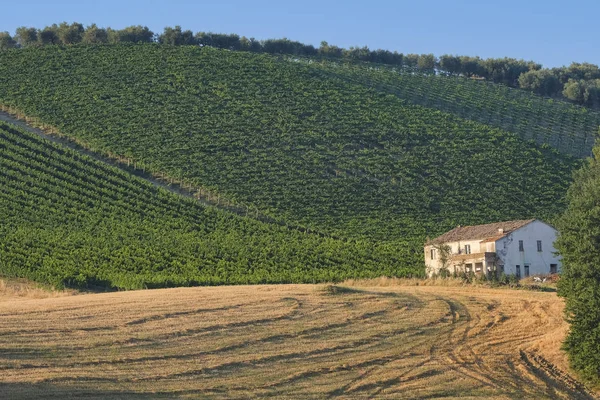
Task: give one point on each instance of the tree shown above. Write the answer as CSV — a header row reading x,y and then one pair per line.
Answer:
x,y
6,41
26,37
426,62
224,41
583,71
328,50
411,60
95,35
250,44
70,34
575,90
49,35
450,64
578,244
176,37
471,66
543,82
131,34
358,53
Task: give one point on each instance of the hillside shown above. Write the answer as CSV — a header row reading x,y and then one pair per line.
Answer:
x,y
287,341
326,151
566,127
70,220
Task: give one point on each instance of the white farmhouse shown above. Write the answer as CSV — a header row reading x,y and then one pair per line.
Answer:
x,y
522,248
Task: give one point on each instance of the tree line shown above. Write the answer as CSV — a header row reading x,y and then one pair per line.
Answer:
x,y
579,82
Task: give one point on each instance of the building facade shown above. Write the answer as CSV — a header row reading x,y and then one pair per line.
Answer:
x,y
522,248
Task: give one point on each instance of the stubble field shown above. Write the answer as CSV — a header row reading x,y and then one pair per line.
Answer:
x,y
285,341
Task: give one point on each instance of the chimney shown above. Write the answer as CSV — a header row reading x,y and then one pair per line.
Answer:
x,y
501,231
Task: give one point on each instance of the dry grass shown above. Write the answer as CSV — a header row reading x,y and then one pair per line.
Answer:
x,y
14,289
526,283
286,341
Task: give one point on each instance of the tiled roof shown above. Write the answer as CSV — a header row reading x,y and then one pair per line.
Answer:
x,y
481,232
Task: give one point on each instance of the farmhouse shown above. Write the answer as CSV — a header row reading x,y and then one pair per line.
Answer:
x,y
522,248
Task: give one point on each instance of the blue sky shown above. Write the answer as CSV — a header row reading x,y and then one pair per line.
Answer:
x,y
551,32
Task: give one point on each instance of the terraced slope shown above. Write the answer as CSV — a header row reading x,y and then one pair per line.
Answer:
x,y
324,152
67,219
287,341
566,127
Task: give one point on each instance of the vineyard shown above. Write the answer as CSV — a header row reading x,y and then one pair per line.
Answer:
x,y
568,128
70,220
335,150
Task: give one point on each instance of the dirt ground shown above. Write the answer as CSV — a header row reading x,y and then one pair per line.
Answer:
x,y
286,341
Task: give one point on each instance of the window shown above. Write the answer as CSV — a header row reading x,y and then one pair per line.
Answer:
x,y
553,268
433,254
520,245
539,245
526,268
501,269
467,249
518,271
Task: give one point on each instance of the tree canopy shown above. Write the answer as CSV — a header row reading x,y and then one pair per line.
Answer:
x,y
576,83
578,244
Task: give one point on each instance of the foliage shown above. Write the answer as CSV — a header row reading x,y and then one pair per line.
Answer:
x,y
95,35
577,243
445,255
70,220
584,92
566,127
305,147
515,73
6,41
176,37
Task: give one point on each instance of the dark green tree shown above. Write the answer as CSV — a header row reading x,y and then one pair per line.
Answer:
x,y
176,37
542,82
26,36
579,245
49,35
250,44
95,35
450,64
131,34
70,33
328,50
426,62
6,41
411,60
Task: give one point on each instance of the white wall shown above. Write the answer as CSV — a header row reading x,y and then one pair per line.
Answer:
x,y
509,255
433,266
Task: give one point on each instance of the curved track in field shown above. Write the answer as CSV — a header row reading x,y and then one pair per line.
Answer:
x,y
286,342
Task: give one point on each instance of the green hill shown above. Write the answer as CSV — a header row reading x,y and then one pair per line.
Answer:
x,y
70,220
308,144
569,128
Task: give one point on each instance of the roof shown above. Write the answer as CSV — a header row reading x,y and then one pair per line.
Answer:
x,y
487,232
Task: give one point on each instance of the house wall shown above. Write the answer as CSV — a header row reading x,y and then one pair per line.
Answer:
x,y
507,249
475,245
433,266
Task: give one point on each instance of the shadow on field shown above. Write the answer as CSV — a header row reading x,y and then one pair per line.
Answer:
x,y
27,391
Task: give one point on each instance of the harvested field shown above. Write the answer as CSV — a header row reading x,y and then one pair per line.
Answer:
x,y
286,341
